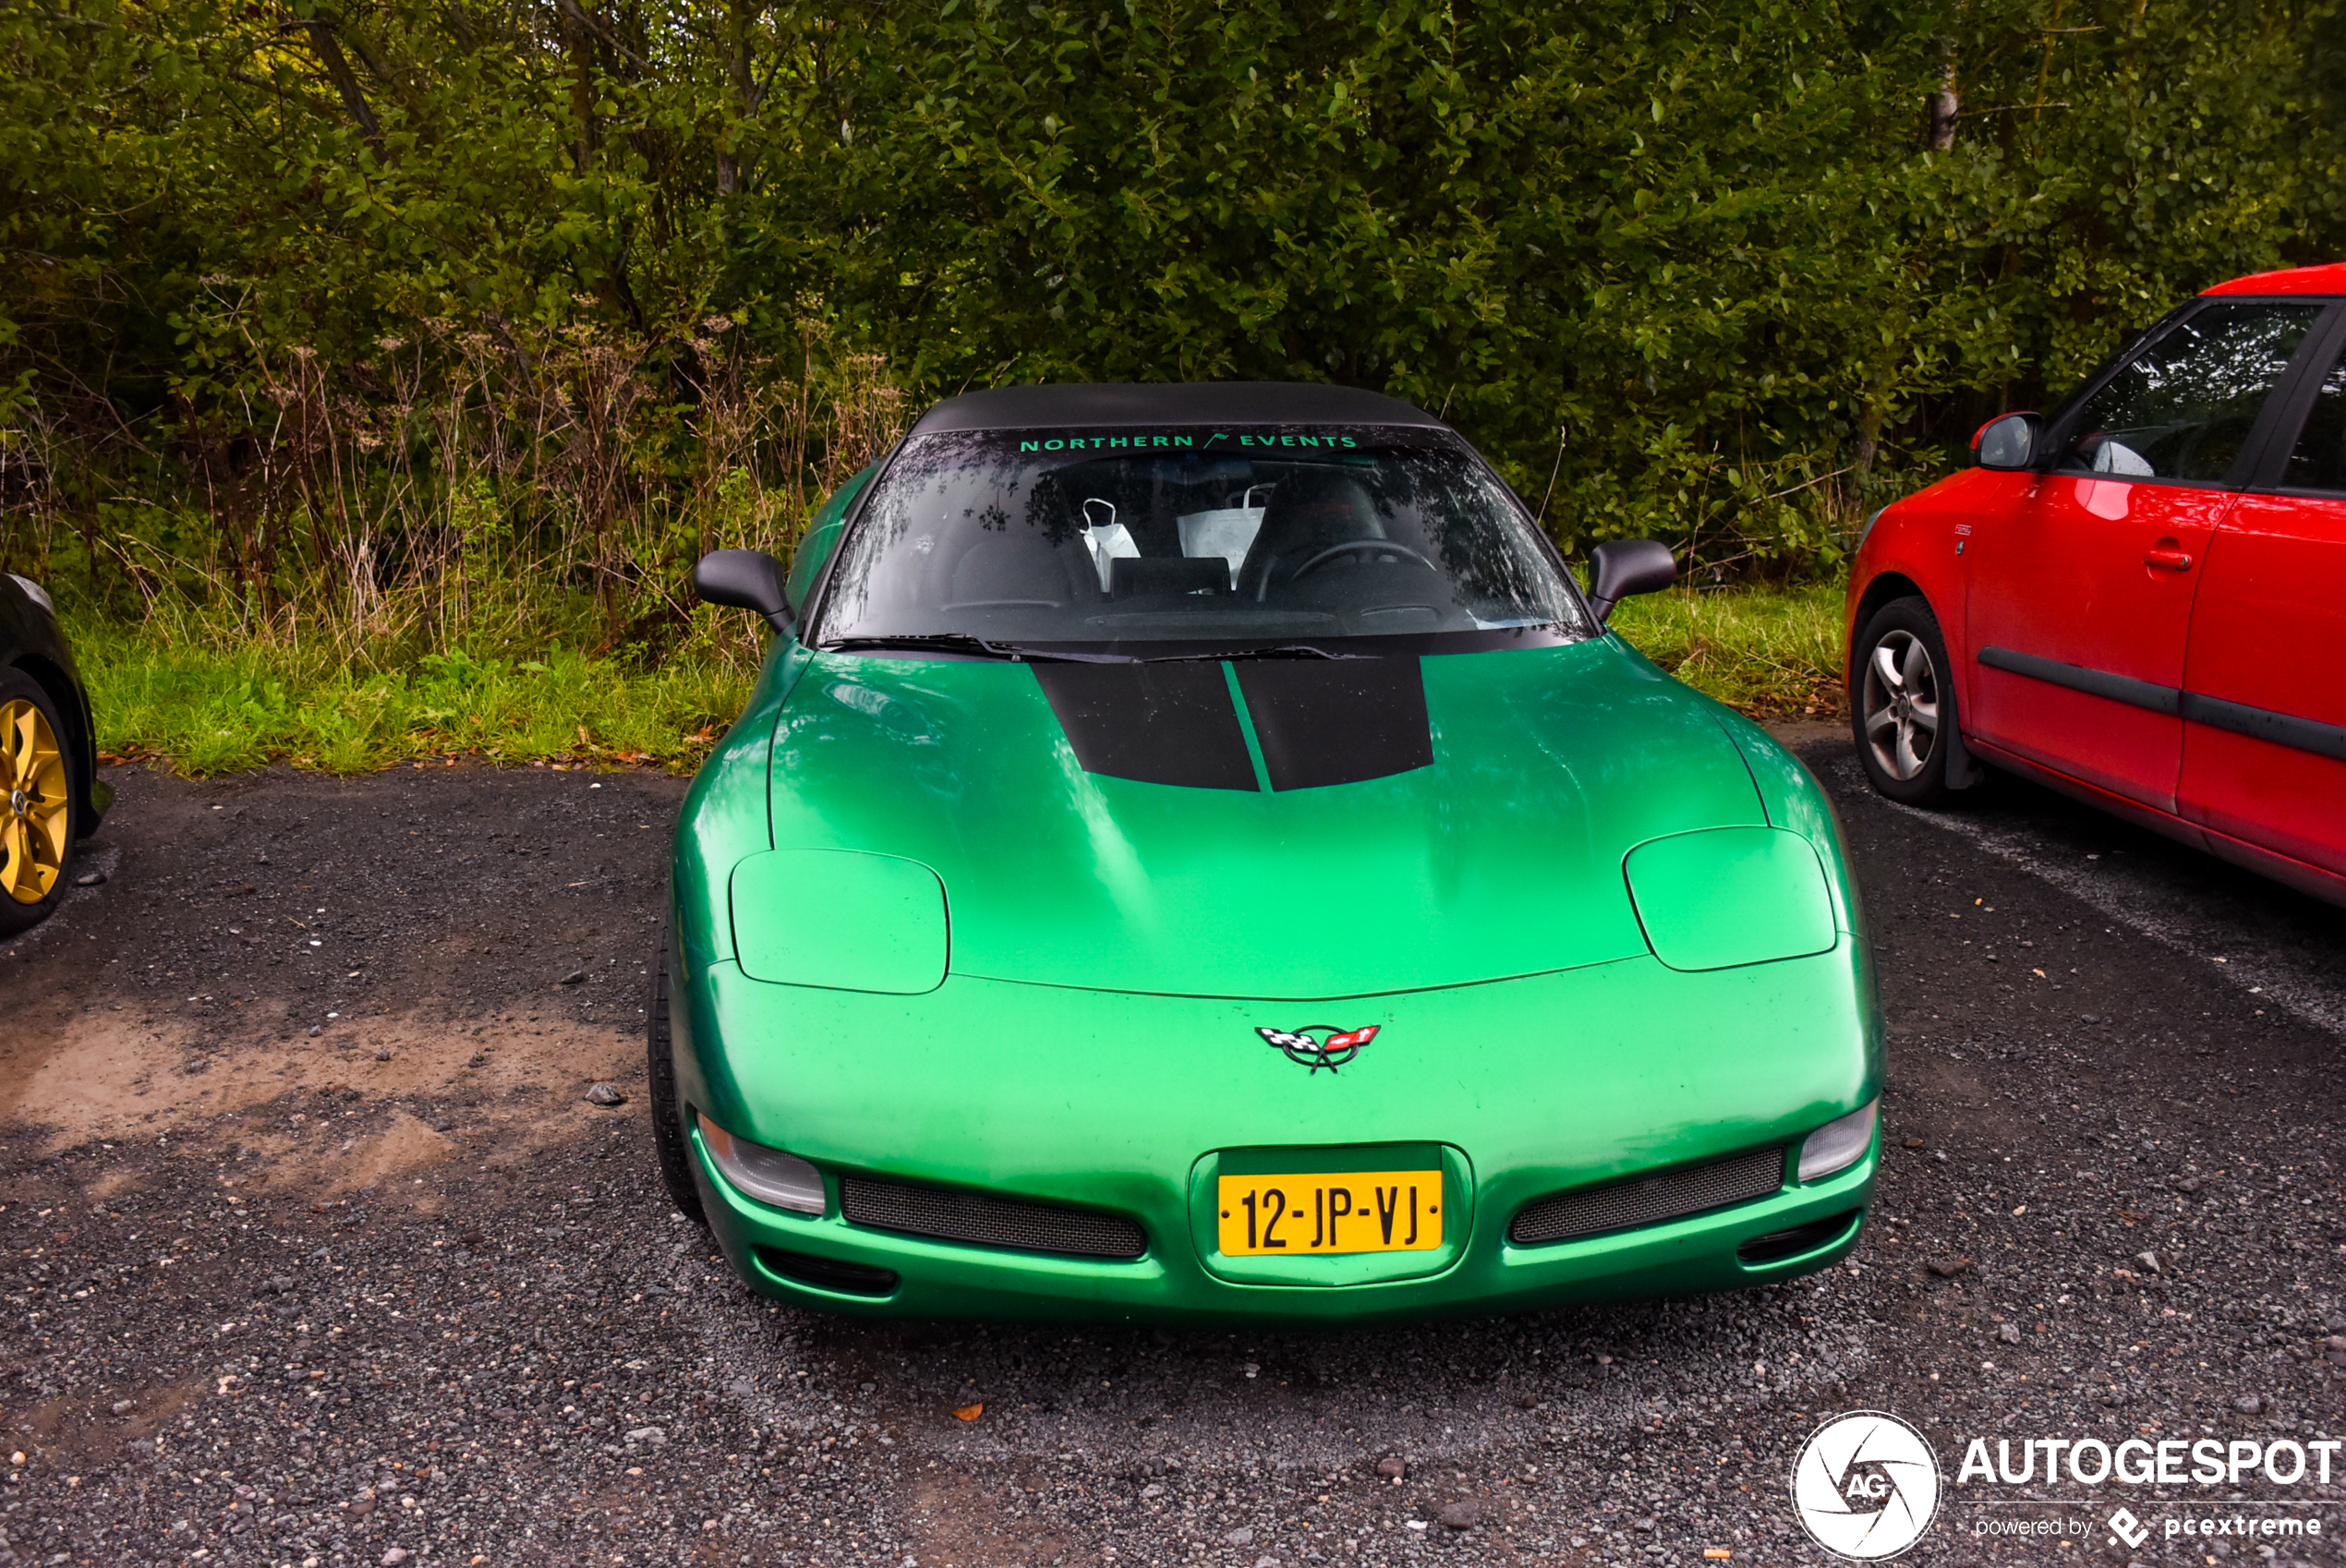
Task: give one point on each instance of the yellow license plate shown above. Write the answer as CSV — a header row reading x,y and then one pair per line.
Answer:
x,y
1317,1216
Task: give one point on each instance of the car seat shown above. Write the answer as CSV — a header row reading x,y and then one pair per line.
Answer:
x,y
1023,567
1312,509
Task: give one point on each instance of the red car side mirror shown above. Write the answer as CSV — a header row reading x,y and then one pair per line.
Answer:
x,y
2008,442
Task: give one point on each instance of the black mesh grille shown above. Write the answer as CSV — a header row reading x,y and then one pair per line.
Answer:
x,y
989,1221
1650,1200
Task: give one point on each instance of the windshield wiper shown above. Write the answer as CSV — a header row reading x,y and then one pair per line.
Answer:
x,y
963,641
1284,650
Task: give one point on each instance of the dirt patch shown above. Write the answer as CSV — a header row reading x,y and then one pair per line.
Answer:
x,y
982,1519
1802,732
399,1148
83,1430
109,1077
112,1182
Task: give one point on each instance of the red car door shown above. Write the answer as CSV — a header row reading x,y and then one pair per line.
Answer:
x,y
2080,604
2264,702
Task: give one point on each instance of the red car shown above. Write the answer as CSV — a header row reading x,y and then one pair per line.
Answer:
x,y
2139,598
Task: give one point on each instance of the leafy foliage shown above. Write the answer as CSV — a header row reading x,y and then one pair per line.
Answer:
x,y
1723,274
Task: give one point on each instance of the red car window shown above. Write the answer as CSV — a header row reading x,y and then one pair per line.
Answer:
x,y
2182,408
2318,460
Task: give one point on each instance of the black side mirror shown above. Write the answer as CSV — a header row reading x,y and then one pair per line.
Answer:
x,y
2009,443
746,579
1618,568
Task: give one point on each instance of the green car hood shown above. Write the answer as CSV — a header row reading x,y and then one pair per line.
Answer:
x,y
1500,859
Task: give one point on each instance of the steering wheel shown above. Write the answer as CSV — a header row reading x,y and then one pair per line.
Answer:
x,y
1357,546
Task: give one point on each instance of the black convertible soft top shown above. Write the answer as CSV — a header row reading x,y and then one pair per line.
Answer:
x,y
1065,405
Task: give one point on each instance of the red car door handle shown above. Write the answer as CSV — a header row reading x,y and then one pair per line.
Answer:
x,y
2168,560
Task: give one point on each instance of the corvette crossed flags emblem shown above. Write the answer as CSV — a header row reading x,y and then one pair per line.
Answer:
x,y
1318,1045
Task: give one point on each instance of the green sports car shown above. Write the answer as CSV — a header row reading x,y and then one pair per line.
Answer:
x,y
1195,855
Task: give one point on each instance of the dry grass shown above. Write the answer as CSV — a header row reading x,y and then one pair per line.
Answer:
x,y
460,489
476,542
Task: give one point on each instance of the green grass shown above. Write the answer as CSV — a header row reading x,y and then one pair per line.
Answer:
x,y
1772,653
207,713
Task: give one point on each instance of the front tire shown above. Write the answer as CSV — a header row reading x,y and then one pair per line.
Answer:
x,y
39,808
671,1150
1902,703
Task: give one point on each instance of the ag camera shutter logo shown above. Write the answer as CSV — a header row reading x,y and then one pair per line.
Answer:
x,y
1865,1486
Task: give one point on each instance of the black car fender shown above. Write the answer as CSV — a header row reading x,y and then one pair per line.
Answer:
x,y
32,641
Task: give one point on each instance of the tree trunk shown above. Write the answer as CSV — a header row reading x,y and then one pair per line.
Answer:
x,y
741,22
578,43
1944,105
1869,417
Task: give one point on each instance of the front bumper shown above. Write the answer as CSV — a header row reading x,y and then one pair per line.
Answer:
x,y
1111,1101
935,1279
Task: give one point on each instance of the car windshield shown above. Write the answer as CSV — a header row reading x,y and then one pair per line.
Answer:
x,y
1192,541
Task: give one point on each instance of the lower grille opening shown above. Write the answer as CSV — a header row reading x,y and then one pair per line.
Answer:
x,y
1648,1200
1778,1244
974,1217
828,1273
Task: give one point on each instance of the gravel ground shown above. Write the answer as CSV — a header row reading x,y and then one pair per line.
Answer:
x,y
319,1253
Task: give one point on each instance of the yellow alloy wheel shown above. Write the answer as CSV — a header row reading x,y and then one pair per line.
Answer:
x,y
34,815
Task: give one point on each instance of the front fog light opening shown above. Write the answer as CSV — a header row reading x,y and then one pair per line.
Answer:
x,y
1840,1144
768,1175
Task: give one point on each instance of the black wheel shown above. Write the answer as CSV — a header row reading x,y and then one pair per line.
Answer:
x,y
1902,705
669,1147
39,810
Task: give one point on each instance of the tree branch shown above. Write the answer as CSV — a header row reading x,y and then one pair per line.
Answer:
x,y
338,71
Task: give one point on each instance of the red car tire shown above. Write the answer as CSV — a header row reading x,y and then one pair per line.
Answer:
x,y
1902,702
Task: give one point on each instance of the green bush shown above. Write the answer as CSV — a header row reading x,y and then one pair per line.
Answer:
x,y
1722,275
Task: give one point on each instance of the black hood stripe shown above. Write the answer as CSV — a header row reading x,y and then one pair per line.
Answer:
x,y
1317,721
1156,723
1338,721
